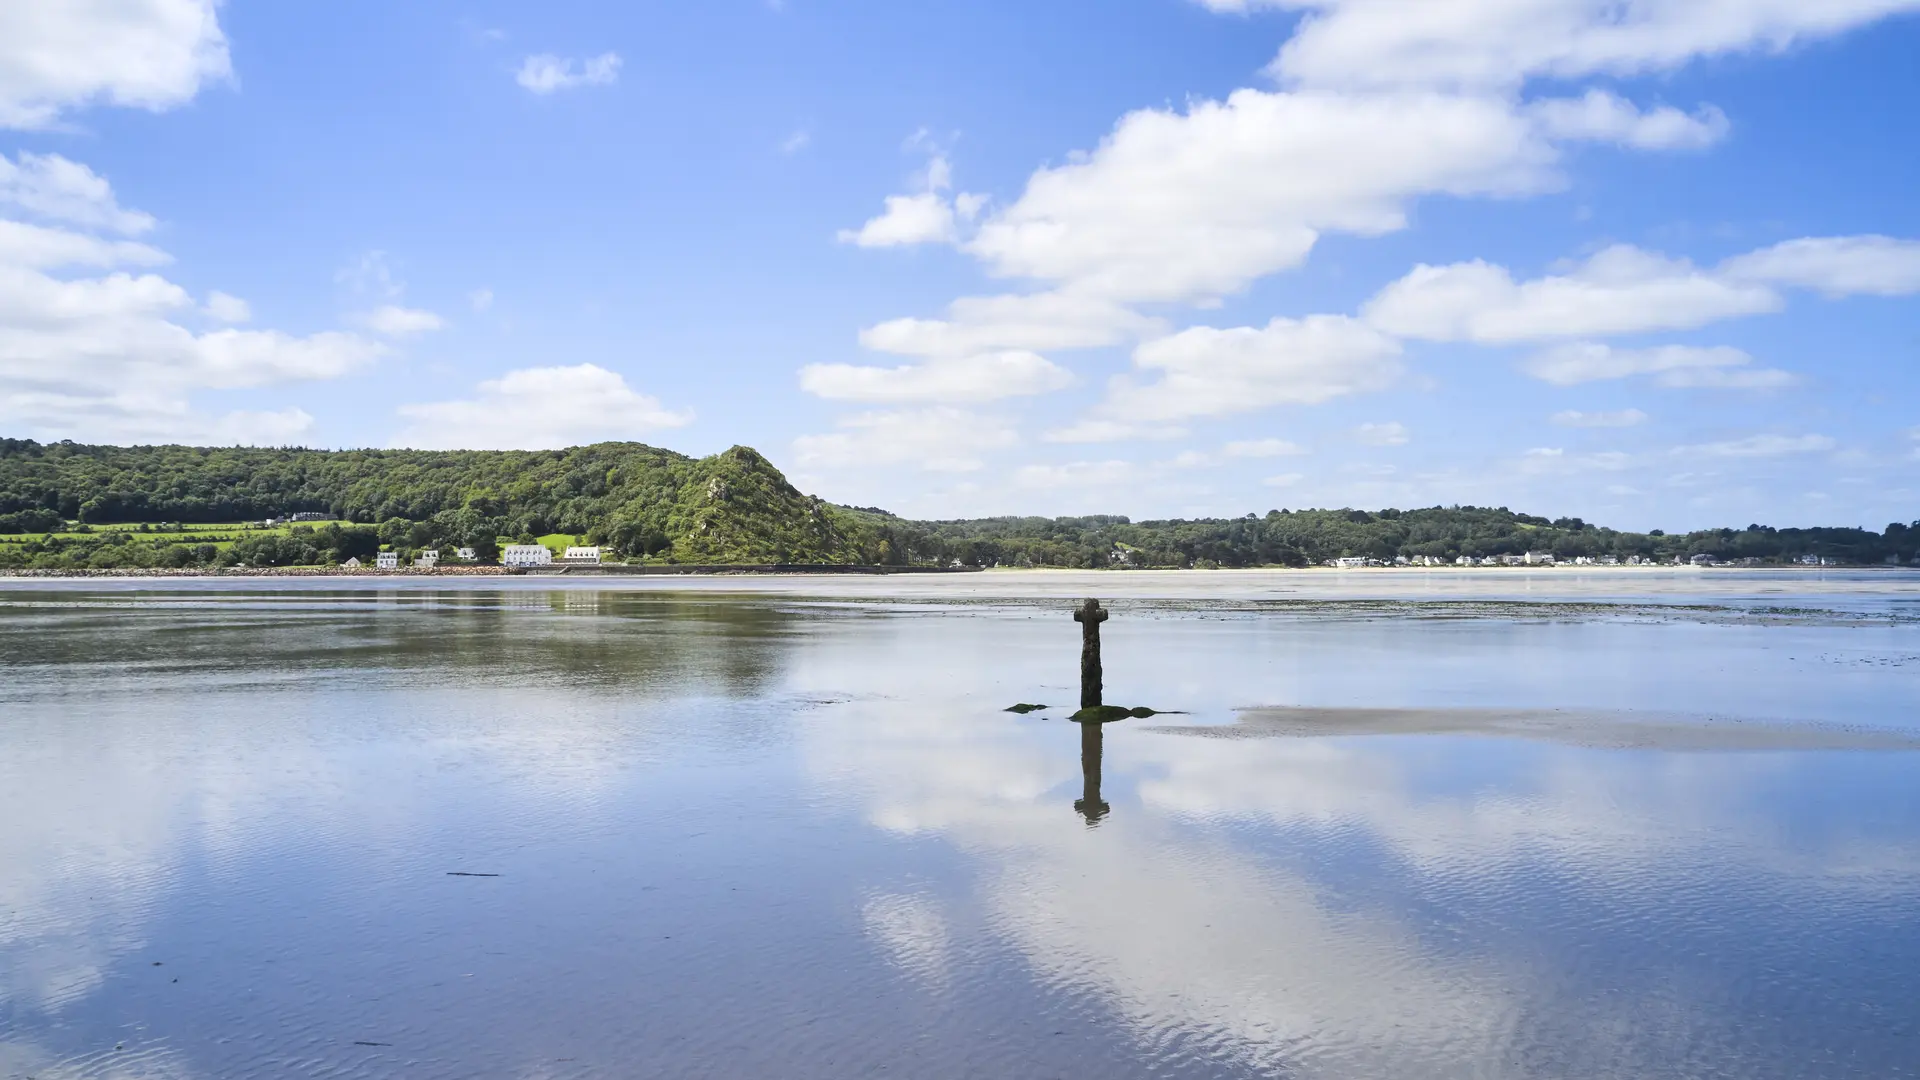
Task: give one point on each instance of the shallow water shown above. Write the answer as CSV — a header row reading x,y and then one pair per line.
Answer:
x,y
760,828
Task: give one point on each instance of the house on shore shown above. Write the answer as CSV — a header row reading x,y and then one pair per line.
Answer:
x,y
525,555
428,559
351,564
582,556
465,554
387,560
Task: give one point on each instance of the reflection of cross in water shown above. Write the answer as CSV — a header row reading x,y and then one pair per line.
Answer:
x,y
1090,616
1090,805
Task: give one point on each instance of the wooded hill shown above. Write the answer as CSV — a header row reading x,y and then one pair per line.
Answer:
x,y
731,508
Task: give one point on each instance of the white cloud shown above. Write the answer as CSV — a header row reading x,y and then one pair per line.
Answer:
x,y
925,217
1555,461
1188,205
1762,446
796,142
942,439
1620,419
392,320
946,380
1099,431
545,73
1392,433
44,248
539,409
150,54
1725,378
53,188
1678,366
1495,44
1047,320
1599,116
1284,479
1239,450
104,357
1835,265
480,299
1621,290
226,308
1384,102
1211,372
1625,290
1262,448
1075,475
283,427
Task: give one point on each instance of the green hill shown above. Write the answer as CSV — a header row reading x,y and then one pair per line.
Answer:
x,y
733,507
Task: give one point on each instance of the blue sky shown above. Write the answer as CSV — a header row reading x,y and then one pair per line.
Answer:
x,y
1652,264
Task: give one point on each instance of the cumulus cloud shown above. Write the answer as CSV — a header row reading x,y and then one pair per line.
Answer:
x,y
1242,449
1599,116
1093,430
1206,371
928,216
1761,446
1380,103
1835,265
1497,44
1261,448
392,320
226,308
546,73
539,409
1075,475
1392,433
91,346
1047,320
1626,290
149,54
1678,366
1621,290
939,439
1186,205
951,380
1620,419
106,356
41,247
52,188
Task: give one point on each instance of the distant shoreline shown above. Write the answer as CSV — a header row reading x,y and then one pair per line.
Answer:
x,y
480,571
780,569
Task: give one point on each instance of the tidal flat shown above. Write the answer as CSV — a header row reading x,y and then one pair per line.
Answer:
x,y
1452,824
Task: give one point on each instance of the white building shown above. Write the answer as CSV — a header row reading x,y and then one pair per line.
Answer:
x,y
589,555
465,555
350,564
387,560
428,559
525,555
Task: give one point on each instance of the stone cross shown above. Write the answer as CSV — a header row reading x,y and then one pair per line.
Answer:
x,y
1090,615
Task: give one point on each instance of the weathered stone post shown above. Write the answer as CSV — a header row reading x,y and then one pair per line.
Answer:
x,y
1090,615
